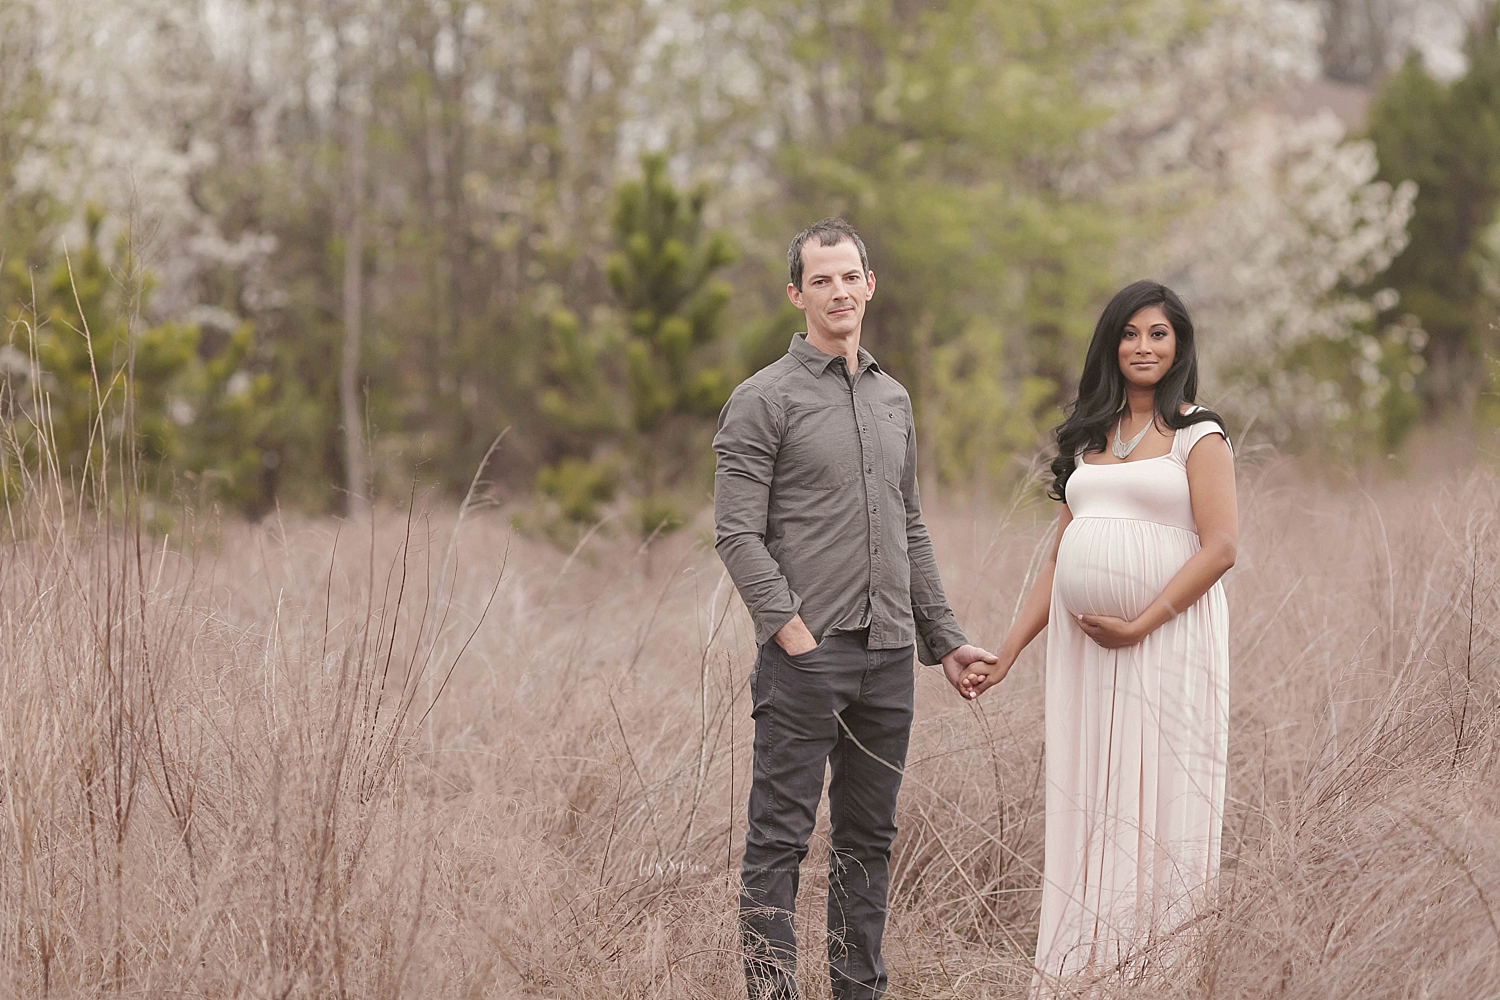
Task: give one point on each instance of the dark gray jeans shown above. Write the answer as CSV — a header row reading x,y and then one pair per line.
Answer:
x,y
799,701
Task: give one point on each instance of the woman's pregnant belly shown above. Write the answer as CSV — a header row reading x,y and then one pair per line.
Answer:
x,y
1118,566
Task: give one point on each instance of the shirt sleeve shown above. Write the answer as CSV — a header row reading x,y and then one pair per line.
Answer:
x,y
1197,432
745,450
937,628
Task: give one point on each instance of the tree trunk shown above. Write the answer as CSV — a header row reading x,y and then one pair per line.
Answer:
x,y
356,466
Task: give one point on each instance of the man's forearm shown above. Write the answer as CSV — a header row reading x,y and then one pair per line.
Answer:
x,y
762,586
937,637
937,627
746,447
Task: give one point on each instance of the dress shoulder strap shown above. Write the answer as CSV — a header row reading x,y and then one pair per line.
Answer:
x,y
1182,443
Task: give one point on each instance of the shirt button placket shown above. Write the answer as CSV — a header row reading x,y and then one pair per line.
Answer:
x,y
874,516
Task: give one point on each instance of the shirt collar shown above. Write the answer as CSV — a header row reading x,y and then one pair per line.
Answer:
x,y
817,362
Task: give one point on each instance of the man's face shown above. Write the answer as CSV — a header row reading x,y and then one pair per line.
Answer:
x,y
835,288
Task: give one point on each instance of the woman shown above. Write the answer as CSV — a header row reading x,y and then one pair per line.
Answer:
x,y
1137,647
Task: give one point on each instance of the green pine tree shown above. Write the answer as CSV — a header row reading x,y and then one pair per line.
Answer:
x,y
1446,137
74,371
634,393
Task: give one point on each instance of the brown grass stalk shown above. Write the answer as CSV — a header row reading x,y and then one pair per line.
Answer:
x,y
429,759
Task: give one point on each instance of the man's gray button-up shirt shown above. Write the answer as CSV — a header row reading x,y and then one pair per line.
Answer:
x,y
816,509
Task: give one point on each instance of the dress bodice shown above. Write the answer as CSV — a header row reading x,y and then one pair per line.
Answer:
x,y
1148,489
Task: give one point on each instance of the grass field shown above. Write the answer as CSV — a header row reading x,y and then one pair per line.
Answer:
x,y
305,760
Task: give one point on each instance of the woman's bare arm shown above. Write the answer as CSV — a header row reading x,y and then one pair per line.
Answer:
x,y
1028,624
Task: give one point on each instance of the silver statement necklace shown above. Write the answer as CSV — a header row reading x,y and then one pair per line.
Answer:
x,y
1122,451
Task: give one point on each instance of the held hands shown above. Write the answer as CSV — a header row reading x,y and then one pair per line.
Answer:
x,y
966,659
980,676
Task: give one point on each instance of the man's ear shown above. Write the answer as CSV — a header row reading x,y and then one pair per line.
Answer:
x,y
795,294
869,285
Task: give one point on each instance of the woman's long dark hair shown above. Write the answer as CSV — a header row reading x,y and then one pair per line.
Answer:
x,y
1101,389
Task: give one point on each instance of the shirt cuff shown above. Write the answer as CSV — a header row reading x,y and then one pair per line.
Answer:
x,y
937,637
769,621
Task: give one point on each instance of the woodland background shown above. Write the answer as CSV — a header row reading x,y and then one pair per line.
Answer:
x,y
359,356
352,241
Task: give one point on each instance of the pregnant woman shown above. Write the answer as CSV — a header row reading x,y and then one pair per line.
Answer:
x,y
1137,649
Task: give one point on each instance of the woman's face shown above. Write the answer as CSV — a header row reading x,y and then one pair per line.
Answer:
x,y
1147,347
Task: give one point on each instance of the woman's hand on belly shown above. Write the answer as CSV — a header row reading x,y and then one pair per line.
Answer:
x,y
1111,632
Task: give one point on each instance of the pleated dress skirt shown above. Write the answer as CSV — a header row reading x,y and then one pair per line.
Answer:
x,y
1136,746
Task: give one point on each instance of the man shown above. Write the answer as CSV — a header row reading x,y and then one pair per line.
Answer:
x,y
819,523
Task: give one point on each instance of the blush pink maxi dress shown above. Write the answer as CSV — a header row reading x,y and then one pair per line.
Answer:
x,y
1136,737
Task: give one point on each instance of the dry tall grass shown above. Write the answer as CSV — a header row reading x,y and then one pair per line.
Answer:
x,y
221,776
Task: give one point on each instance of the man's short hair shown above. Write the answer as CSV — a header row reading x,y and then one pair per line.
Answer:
x,y
829,233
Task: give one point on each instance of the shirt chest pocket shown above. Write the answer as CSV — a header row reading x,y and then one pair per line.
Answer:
x,y
891,429
820,450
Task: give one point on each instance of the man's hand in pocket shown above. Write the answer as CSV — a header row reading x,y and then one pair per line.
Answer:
x,y
794,638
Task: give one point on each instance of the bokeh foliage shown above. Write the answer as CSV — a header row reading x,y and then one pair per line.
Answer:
x,y
1010,162
86,382
946,134
636,389
1446,137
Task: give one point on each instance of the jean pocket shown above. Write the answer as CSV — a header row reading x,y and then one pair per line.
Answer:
x,y
800,658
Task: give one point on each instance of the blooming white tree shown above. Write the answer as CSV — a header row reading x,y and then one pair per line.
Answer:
x,y
119,134
1278,262
1274,225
